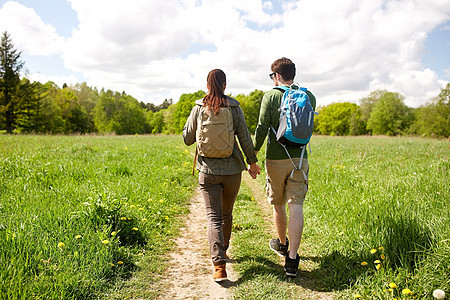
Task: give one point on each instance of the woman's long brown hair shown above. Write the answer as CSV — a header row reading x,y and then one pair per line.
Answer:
x,y
216,98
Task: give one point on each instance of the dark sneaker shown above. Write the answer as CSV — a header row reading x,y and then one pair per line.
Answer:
x,y
291,266
278,247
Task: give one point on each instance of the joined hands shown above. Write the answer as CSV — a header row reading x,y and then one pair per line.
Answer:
x,y
254,170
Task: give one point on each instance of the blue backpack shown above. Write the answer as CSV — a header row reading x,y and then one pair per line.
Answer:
x,y
296,119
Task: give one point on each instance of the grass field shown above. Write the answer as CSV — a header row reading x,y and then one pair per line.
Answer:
x,y
78,214
377,213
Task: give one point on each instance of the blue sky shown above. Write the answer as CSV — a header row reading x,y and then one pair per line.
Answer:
x,y
437,50
155,50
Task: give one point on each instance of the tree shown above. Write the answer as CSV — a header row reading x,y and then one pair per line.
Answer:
x,y
119,113
129,117
148,106
104,111
390,115
165,105
87,98
367,104
337,118
27,110
157,123
251,105
74,116
433,119
183,109
10,66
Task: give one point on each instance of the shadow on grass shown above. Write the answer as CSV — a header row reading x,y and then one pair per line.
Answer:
x,y
406,243
260,265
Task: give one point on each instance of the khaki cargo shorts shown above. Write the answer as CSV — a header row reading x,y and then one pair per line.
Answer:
x,y
281,187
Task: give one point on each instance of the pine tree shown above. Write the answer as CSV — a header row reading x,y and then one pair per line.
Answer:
x,y
10,66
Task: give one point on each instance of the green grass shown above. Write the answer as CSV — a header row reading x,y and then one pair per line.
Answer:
x,y
365,193
260,274
372,192
106,201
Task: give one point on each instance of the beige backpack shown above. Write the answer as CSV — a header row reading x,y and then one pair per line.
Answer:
x,y
215,134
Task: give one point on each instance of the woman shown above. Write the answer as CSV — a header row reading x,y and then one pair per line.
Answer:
x,y
220,177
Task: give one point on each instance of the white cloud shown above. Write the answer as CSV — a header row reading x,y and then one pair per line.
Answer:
x,y
59,80
28,31
343,49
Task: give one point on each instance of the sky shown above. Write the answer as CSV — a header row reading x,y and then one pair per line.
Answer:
x,y
155,50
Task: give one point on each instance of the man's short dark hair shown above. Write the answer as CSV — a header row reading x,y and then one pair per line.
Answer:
x,y
285,67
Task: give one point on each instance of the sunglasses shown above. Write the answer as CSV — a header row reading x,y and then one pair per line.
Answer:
x,y
271,75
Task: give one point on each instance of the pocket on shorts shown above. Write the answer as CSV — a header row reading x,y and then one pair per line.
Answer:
x,y
297,187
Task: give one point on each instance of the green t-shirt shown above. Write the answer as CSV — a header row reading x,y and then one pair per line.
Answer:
x,y
269,115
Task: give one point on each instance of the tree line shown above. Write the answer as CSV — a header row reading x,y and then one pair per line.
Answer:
x,y
34,107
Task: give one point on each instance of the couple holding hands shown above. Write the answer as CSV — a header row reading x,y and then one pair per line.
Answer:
x,y
220,177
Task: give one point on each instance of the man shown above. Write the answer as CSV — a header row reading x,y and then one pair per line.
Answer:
x,y
284,184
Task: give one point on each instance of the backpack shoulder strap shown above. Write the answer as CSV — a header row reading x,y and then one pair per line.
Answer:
x,y
281,88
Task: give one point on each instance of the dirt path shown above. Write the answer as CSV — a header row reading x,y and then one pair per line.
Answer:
x,y
190,272
189,275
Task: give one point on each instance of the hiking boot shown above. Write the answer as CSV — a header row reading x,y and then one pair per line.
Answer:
x,y
220,273
291,266
278,247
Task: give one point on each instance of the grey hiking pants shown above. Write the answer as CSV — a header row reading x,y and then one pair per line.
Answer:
x,y
219,193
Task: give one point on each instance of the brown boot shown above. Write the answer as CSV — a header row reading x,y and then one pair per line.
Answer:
x,y
220,273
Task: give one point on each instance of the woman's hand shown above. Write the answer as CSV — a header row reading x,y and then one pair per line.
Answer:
x,y
254,170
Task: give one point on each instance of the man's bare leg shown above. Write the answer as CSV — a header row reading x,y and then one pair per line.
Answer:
x,y
295,228
280,219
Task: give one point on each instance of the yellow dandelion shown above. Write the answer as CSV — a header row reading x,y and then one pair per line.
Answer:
x,y
123,219
392,285
78,236
161,201
133,206
135,229
390,290
382,256
106,242
111,264
144,219
126,148
140,208
380,248
253,199
364,263
373,251
357,296
394,299
166,217
113,233
378,267
406,291
150,200
377,262
120,262
129,218
61,245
